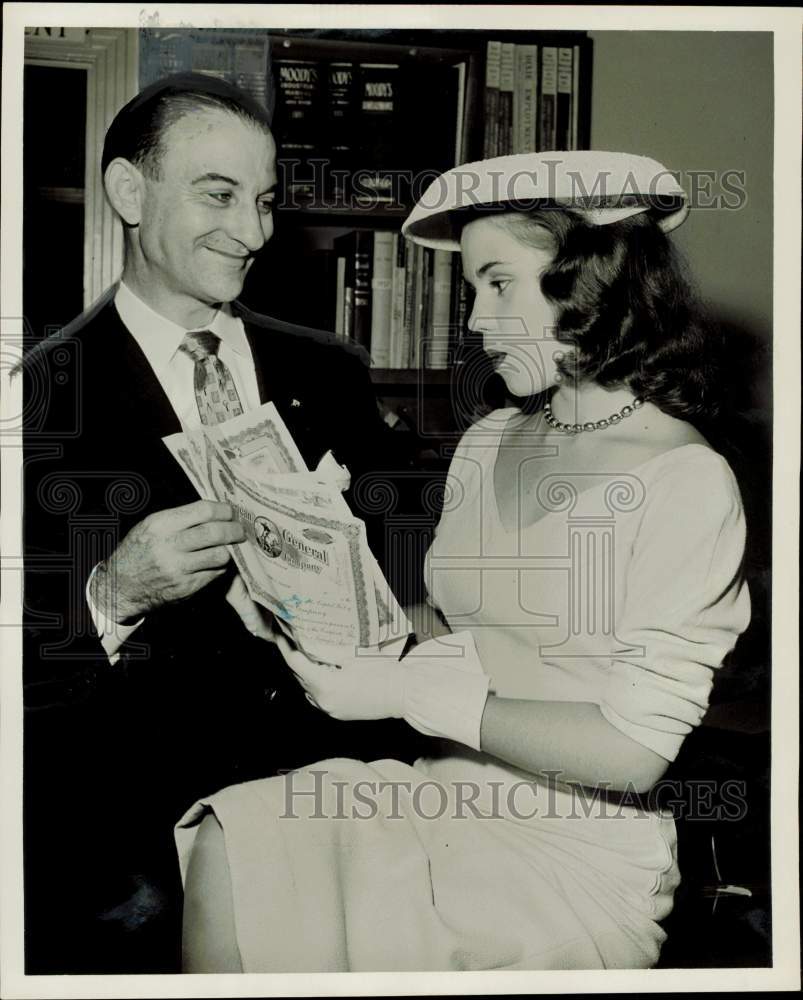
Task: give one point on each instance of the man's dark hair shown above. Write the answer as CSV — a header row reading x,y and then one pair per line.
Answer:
x,y
138,129
625,306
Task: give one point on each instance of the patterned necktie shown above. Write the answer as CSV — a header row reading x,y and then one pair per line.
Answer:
x,y
215,391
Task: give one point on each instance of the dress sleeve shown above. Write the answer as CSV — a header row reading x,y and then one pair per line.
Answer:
x,y
685,606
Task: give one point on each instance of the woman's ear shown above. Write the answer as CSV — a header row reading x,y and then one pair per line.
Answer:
x,y
125,189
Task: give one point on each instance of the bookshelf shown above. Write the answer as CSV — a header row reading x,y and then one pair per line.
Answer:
x,y
364,120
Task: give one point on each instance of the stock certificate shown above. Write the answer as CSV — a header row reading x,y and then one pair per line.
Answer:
x,y
305,558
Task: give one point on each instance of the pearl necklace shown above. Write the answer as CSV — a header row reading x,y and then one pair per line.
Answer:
x,y
598,425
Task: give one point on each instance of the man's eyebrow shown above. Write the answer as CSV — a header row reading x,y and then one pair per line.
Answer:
x,y
216,177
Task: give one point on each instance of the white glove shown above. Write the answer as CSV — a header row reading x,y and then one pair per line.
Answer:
x,y
258,620
439,688
445,688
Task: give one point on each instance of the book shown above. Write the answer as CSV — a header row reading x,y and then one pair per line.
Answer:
x,y
381,298
460,154
563,116
575,134
411,258
459,305
298,127
525,99
515,127
397,303
493,66
422,334
363,259
506,83
377,148
341,115
348,310
549,96
356,249
430,107
352,135
340,298
439,334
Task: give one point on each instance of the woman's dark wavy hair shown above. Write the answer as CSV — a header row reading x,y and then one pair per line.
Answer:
x,y
626,307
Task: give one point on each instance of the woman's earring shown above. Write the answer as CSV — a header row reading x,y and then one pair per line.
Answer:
x,y
558,377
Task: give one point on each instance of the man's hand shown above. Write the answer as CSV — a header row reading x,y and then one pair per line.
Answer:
x,y
167,557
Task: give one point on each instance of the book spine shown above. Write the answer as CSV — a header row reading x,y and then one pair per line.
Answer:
x,y
348,313
298,125
344,249
397,315
416,333
549,94
455,280
462,310
454,294
381,299
575,134
424,310
341,108
506,82
527,90
373,180
563,137
410,283
340,298
493,65
460,114
363,258
518,55
437,356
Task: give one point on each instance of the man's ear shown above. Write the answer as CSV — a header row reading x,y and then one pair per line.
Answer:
x,y
125,189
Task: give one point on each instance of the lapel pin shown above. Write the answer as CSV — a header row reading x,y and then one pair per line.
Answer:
x,y
295,403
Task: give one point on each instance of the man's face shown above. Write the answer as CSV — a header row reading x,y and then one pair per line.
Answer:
x,y
210,210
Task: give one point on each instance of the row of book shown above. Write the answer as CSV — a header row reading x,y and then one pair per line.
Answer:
x,y
531,98
352,134
404,303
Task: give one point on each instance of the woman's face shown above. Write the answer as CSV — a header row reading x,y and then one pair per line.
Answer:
x,y
515,319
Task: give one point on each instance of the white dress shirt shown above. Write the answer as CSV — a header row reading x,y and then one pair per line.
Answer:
x,y
159,339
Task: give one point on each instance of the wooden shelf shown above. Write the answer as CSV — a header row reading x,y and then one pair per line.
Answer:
x,y
359,45
376,217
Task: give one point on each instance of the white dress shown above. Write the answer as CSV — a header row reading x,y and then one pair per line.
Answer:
x,y
625,593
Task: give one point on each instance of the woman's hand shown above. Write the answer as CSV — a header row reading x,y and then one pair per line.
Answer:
x,y
440,688
258,620
363,687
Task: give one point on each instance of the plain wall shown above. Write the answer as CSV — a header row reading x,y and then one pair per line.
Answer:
x,y
703,101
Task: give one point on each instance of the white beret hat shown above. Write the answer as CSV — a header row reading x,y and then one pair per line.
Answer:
x,y
602,187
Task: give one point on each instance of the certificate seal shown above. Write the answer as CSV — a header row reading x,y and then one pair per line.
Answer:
x,y
268,537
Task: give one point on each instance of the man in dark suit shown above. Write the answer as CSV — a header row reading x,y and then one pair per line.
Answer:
x,y
144,687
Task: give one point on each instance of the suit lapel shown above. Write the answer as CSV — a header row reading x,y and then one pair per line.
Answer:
x,y
140,391
284,379
138,414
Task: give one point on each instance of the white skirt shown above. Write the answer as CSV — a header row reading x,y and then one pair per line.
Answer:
x,y
455,863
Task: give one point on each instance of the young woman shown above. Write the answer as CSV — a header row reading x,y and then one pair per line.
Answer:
x,y
587,563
